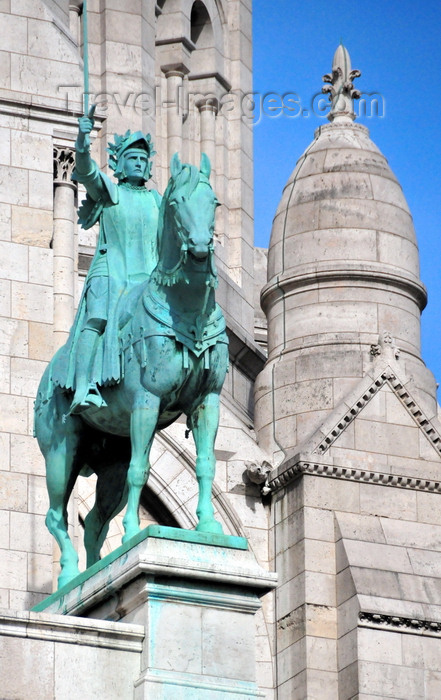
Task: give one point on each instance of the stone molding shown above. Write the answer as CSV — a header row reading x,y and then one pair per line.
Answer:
x,y
387,376
302,463
394,623
364,274
350,474
57,628
160,679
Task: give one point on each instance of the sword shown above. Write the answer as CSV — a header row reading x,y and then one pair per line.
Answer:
x,y
85,59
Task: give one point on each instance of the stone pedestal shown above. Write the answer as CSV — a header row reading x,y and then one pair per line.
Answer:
x,y
195,596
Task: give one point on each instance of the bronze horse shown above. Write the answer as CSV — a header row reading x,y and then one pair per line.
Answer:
x,y
174,355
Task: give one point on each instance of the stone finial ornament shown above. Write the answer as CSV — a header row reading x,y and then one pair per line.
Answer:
x,y
341,89
386,346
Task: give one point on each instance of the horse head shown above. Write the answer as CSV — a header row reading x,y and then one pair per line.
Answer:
x,y
186,222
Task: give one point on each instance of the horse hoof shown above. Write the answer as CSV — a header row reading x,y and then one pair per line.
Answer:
x,y
65,578
128,536
212,526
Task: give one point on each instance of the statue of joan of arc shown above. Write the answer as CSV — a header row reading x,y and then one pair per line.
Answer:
x,y
125,256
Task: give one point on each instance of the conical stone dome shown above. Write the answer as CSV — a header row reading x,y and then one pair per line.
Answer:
x,y
343,268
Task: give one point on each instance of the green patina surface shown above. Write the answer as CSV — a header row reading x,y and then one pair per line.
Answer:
x,y
148,343
156,531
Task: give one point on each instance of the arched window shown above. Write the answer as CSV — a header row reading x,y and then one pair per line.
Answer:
x,y
201,29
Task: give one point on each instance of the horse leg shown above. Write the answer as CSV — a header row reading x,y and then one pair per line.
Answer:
x,y
110,499
60,478
204,422
143,424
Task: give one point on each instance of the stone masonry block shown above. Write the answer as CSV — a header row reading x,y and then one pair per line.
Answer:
x,y
376,500
291,562
410,534
319,524
13,491
344,585
290,596
360,527
13,34
425,563
5,222
291,628
5,70
380,646
331,494
32,302
41,343
25,376
387,438
391,681
29,533
13,574
321,621
4,529
5,451
5,298
31,226
5,374
320,556
377,556
321,653
428,508
41,265
13,261
26,456
419,651
14,185
347,649
5,146
221,629
38,499
320,589
40,573
291,661
31,151
41,186
14,411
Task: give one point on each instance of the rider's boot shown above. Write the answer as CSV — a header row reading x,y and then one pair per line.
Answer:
x,y
86,393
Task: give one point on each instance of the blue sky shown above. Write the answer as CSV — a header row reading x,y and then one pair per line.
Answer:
x,y
396,45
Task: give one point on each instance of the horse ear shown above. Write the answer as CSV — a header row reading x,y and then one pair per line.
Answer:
x,y
205,166
175,165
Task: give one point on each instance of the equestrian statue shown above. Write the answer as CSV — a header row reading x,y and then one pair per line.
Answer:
x,y
148,343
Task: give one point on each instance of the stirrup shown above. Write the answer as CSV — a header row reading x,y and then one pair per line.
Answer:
x,y
92,398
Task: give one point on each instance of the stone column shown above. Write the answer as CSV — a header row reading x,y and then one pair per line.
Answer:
x,y
63,245
208,109
74,19
175,85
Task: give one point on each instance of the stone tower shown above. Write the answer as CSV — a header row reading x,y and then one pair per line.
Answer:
x,y
348,410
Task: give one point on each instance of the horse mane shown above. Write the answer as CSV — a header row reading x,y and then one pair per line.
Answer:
x,y
182,185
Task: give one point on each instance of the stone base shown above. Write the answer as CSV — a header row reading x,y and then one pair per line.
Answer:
x,y
195,595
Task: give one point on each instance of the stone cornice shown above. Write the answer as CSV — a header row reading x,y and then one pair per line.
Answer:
x,y
60,629
300,468
394,623
364,275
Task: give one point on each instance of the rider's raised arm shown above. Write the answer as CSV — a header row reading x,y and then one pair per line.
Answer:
x,y
86,170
